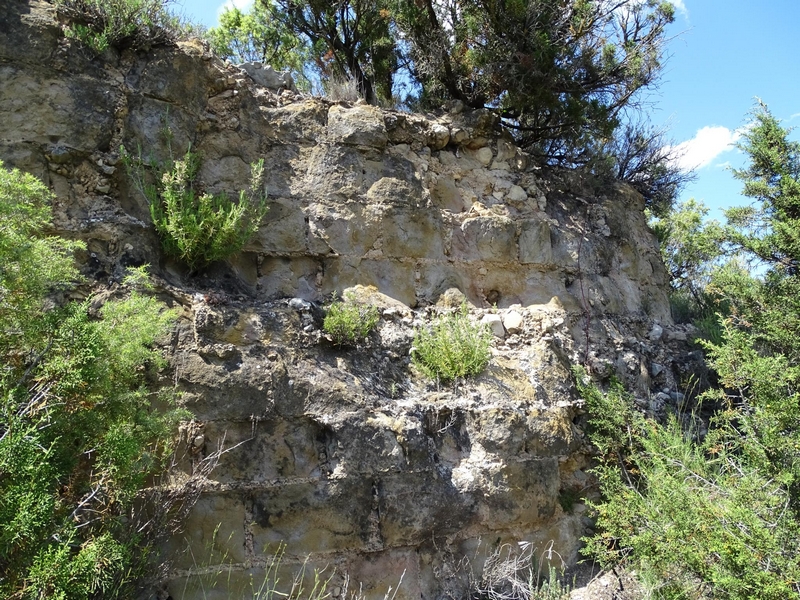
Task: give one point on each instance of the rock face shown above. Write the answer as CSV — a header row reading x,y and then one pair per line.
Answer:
x,y
349,457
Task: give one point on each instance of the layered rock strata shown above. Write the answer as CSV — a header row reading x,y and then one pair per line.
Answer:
x,y
348,458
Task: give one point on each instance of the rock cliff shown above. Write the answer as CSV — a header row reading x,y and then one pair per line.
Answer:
x,y
348,457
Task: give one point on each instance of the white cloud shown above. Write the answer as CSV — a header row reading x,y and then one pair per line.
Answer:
x,y
705,146
240,4
680,7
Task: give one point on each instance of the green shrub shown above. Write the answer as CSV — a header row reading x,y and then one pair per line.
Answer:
x,y
697,518
122,23
716,513
349,321
196,228
31,264
452,347
79,438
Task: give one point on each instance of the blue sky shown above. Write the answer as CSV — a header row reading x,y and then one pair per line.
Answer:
x,y
207,11
722,55
725,54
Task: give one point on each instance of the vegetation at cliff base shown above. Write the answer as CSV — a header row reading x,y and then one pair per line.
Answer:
x,y
79,435
716,513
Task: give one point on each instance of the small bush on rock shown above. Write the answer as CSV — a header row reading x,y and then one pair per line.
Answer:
x,y
349,321
452,347
196,228
121,23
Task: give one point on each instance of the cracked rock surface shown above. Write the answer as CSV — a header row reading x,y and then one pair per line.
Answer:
x,y
348,456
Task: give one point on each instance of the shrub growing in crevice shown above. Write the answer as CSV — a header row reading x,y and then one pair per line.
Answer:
x,y
452,347
349,321
199,228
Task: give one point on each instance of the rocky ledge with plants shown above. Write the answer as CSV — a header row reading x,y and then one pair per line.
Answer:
x,y
352,456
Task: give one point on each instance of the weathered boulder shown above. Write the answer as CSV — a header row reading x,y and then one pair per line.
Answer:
x,y
357,126
266,76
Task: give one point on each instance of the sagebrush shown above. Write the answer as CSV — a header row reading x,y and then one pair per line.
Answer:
x,y
199,228
348,321
452,347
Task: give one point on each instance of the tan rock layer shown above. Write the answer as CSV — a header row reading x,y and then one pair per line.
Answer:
x,y
349,456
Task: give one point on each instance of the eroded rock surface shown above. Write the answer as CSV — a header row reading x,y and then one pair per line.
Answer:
x,y
348,456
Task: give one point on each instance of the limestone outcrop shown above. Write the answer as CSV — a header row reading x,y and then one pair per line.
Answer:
x,y
349,457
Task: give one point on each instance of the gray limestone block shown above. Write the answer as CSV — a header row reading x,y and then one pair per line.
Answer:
x,y
266,76
283,230
335,173
534,242
495,324
489,238
512,321
144,128
446,195
411,233
393,277
438,136
173,76
391,190
286,277
272,449
77,112
228,174
524,491
404,128
213,533
357,126
29,157
436,278
311,516
296,123
416,506
332,232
